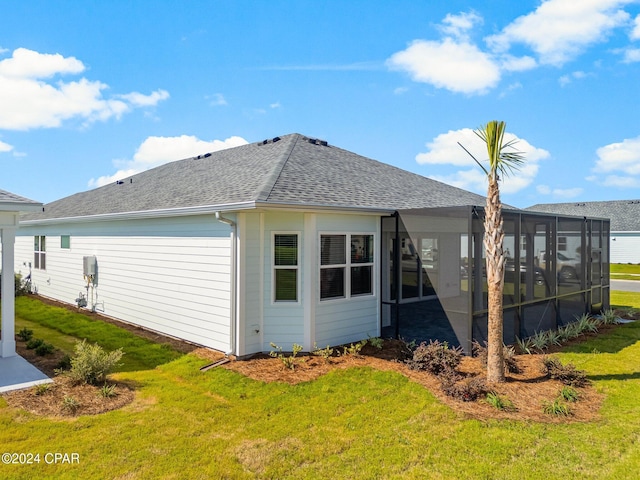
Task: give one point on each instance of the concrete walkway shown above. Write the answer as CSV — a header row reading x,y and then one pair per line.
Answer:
x,y
625,285
17,373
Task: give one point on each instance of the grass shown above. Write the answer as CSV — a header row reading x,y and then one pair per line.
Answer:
x,y
625,271
356,423
64,328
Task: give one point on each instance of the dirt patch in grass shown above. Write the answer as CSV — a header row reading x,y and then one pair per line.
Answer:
x,y
527,390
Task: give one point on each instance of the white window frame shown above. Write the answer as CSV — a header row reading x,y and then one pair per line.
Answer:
x,y
275,267
348,265
41,253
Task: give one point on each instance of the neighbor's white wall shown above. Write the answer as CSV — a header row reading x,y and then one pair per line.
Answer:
x,y
170,275
625,248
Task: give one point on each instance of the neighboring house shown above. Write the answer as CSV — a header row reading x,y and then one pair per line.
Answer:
x,y
625,225
10,207
289,240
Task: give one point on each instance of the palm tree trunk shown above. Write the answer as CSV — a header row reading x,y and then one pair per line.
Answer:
x,y
493,242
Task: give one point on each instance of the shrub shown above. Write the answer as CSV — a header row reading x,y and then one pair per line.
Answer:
x,y
325,353
567,374
555,408
25,334
468,389
41,389
569,394
108,391
44,349
499,403
525,345
376,342
354,348
435,357
91,364
509,353
64,363
288,361
608,317
34,343
70,404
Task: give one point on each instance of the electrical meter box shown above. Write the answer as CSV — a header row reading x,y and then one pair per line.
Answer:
x,y
89,265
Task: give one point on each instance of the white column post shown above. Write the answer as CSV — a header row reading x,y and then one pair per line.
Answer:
x,y
7,290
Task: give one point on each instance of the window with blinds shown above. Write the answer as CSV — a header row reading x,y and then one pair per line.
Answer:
x,y
345,275
285,267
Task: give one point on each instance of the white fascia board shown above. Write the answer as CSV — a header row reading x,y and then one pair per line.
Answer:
x,y
168,212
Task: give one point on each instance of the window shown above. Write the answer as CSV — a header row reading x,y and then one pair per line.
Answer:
x,y
39,253
285,267
65,242
345,275
562,244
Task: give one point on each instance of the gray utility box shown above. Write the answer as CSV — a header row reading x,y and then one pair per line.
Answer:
x,y
89,265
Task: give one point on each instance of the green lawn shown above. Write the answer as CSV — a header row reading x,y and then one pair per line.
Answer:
x,y
356,423
625,271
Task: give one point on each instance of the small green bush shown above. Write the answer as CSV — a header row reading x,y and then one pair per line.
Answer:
x,y
608,317
325,353
288,361
34,343
354,348
499,403
44,349
555,408
376,342
64,363
108,391
41,389
569,394
25,334
91,363
70,404
435,357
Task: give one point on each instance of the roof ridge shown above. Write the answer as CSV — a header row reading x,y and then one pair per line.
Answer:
x,y
271,180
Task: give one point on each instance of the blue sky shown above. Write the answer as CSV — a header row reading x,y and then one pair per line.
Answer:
x,y
90,90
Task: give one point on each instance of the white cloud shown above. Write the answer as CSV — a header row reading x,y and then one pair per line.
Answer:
x,y
621,182
445,150
216,100
631,55
543,189
5,147
275,105
400,90
517,64
458,26
30,99
635,33
567,192
622,157
559,30
140,100
155,151
565,80
456,66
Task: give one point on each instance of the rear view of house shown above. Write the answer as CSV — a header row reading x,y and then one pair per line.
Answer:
x,y
288,240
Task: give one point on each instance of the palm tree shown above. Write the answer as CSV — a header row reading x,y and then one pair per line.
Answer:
x,y
503,160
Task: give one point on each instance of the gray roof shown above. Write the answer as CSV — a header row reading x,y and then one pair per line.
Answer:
x,y
292,169
624,214
12,202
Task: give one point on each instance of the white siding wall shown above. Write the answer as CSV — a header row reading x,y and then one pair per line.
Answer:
x,y
170,275
344,321
252,292
625,248
283,321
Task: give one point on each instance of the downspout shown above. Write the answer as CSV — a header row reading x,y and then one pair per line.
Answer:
x,y
234,277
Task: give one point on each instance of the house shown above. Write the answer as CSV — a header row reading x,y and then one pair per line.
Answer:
x,y
625,224
287,240
10,207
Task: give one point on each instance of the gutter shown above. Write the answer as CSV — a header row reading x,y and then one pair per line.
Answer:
x,y
234,278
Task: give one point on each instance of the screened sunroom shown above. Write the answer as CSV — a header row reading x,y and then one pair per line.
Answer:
x,y
434,284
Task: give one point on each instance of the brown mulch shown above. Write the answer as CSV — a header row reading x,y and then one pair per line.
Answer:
x,y
526,390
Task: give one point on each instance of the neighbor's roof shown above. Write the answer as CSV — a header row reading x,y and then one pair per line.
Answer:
x,y
624,214
15,203
293,170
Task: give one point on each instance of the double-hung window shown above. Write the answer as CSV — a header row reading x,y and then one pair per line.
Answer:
x,y
39,252
346,265
285,267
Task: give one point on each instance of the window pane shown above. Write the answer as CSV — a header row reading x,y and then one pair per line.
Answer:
x,y
331,282
42,244
286,250
65,241
43,265
333,250
361,280
361,248
36,244
36,260
286,284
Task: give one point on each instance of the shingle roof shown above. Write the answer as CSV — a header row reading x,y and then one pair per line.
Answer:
x,y
13,202
292,169
624,214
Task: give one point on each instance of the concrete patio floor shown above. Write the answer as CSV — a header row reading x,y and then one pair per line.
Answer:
x,y
17,373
